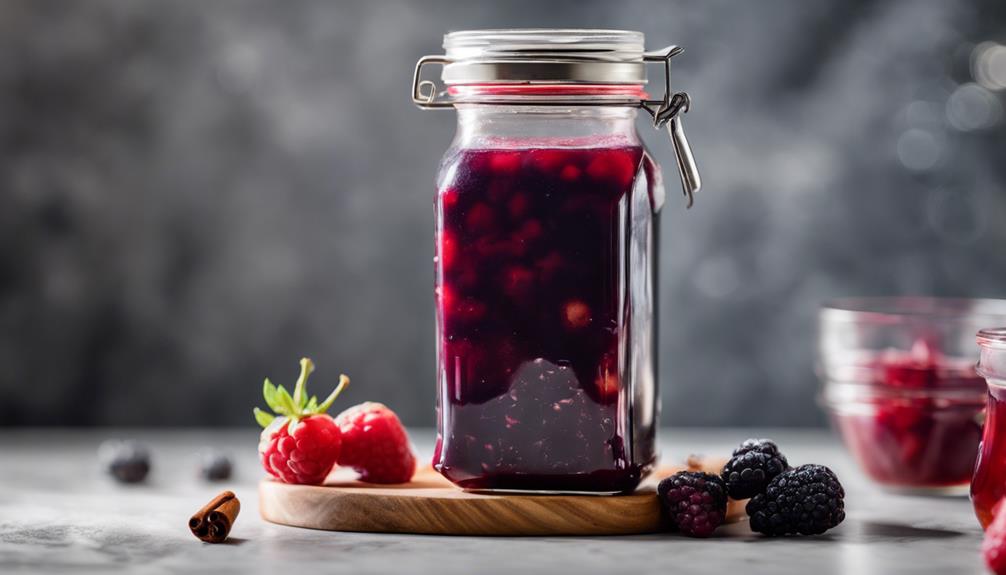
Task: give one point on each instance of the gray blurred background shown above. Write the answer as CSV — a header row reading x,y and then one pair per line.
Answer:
x,y
193,195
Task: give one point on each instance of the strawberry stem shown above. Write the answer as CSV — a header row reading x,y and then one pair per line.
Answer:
x,y
299,405
299,395
343,382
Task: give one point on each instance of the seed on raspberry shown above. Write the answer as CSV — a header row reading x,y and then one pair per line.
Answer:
x,y
695,502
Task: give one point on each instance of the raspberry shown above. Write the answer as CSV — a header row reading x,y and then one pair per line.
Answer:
x,y
753,465
302,444
994,544
375,444
807,500
695,502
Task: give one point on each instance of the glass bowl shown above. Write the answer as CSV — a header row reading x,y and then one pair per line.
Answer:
x,y
900,385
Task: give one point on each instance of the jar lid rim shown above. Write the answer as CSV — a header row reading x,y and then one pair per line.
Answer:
x,y
994,337
540,55
905,308
594,44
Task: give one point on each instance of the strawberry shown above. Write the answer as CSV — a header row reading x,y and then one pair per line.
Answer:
x,y
375,444
994,544
300,444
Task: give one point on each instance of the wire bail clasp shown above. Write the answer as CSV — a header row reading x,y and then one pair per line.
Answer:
x,y
424,92
667,112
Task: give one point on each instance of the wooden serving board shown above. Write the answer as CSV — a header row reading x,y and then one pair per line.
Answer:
x,y
429,504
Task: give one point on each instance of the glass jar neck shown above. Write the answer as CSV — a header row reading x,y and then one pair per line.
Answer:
x,y
992,364
506,125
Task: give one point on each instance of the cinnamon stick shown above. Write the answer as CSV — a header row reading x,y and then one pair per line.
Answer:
x,y
213,522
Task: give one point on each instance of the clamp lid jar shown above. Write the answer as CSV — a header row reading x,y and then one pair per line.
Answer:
x,y
545,266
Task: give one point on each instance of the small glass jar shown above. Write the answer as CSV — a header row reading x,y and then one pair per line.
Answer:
x,y
901,388
989,483
546,239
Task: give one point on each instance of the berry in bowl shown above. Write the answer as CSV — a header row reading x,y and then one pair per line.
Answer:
x,y
901,386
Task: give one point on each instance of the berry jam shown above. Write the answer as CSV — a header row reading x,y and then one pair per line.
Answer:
x,y
989,483
919,426
544,311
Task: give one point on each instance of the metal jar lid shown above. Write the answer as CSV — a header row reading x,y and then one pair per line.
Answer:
x,y
560,57
544,57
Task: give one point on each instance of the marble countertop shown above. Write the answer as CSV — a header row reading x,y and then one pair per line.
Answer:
x,y
59,513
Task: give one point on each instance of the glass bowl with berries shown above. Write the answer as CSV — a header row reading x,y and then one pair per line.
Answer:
x,y
901,388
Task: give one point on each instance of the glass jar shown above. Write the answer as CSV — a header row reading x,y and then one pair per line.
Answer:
x,y
989,482
901,387
546,267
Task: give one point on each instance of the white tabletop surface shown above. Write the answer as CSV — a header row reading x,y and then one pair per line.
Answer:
x,y
60,514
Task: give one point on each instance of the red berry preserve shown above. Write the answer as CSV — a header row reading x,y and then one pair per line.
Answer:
x,y
919,425
902,389
546,274
988,486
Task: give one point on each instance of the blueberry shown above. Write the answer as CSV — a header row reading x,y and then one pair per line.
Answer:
x,y
126,461
215,466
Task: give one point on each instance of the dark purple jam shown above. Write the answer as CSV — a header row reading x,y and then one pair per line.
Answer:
x,y
536,293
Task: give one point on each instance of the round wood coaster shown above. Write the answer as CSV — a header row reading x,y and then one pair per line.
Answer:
x,y
429,504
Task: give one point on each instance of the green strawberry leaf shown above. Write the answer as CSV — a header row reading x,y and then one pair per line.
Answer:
x,y
285,403
269,393
299,405
263,418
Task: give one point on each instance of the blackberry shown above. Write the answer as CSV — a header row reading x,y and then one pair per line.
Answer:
x,y
695,502
753,465
215,466
126,461
807,500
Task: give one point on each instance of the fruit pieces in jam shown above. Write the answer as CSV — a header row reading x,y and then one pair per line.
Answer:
x,y
920,423
989,483
531,317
